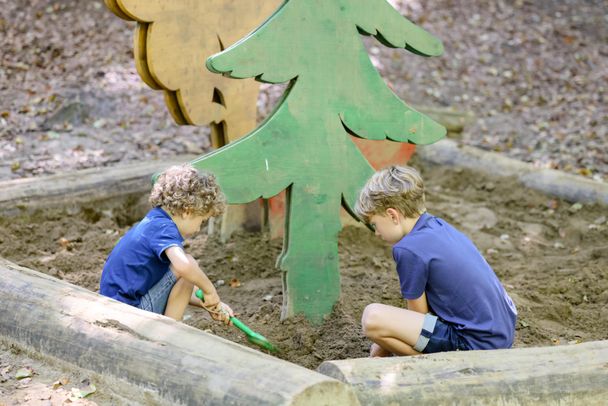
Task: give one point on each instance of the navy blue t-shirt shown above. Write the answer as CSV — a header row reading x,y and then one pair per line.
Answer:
x,y
461,287
138,261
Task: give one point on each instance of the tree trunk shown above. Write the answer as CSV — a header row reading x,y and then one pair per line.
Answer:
x,y
564,375
176,363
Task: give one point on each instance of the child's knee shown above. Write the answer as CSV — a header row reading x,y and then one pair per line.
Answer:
x,y
371,319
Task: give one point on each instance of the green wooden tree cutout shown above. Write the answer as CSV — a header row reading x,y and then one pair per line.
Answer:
x,y
305,144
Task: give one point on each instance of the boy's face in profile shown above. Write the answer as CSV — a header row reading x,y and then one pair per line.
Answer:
x,y
387,227
190,224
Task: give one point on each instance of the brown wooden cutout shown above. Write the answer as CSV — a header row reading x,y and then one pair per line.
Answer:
x,y
172,42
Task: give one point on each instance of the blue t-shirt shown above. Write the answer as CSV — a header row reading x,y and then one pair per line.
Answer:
x,y
461,287
138,261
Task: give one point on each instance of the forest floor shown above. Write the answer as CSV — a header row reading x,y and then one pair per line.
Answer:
x,y
533,73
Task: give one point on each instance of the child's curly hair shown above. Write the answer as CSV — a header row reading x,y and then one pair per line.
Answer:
x,y
182,189
398,187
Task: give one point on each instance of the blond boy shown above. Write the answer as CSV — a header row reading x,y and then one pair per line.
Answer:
x,y
454,299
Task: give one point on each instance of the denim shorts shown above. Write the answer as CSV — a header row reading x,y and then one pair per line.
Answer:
x,y
437,336
156,299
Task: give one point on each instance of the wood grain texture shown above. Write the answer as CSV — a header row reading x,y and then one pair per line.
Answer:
x,y
178,364
558,375
173,40
71,189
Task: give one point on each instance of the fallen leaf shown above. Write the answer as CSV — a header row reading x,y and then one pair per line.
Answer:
x,y
575,207
100,123
568,39
234,283
585,172
553,204
61,382
64,242
80,393
22,373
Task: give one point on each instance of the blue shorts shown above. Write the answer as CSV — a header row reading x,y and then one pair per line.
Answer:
x,y
156,299
437,336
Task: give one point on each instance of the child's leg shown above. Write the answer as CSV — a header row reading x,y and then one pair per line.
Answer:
x,y
394,329
178,299
376,351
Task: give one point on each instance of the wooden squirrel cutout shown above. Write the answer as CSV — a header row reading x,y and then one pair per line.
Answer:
x,y
171,44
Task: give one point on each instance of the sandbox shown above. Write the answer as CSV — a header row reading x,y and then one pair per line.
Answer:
x,y
551,255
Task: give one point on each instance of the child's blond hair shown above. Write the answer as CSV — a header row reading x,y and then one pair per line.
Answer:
x,y
397,187
182,189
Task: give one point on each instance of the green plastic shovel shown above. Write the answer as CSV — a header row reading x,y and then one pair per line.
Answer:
x,y
252,336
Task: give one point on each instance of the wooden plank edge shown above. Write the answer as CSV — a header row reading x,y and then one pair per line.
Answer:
x,y
178,363
86,185
569,374
573,188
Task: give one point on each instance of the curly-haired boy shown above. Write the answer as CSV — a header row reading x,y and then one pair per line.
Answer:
x,y
454,299
148,268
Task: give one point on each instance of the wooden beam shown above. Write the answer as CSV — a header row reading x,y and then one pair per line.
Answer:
x,y
87,185
453,120
564,375
574,188
177,363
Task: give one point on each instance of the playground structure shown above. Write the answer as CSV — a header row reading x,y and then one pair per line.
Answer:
x,y
305,146
195,96
59,320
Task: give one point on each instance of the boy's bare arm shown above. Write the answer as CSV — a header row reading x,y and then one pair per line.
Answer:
x,y
185,266
419,305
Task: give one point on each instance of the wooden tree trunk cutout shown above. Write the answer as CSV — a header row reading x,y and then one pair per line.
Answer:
x,y
305,144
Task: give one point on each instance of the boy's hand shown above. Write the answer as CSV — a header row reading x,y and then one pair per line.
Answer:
x,y
220,312
211,299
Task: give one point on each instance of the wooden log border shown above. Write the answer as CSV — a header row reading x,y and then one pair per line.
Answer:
x,y
573,188
571,374
179,364
70,189
560,375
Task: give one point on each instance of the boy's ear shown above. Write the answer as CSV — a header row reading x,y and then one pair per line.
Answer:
x,y
393,214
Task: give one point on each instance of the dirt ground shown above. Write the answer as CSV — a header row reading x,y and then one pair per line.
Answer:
x,y
532,72
551,255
